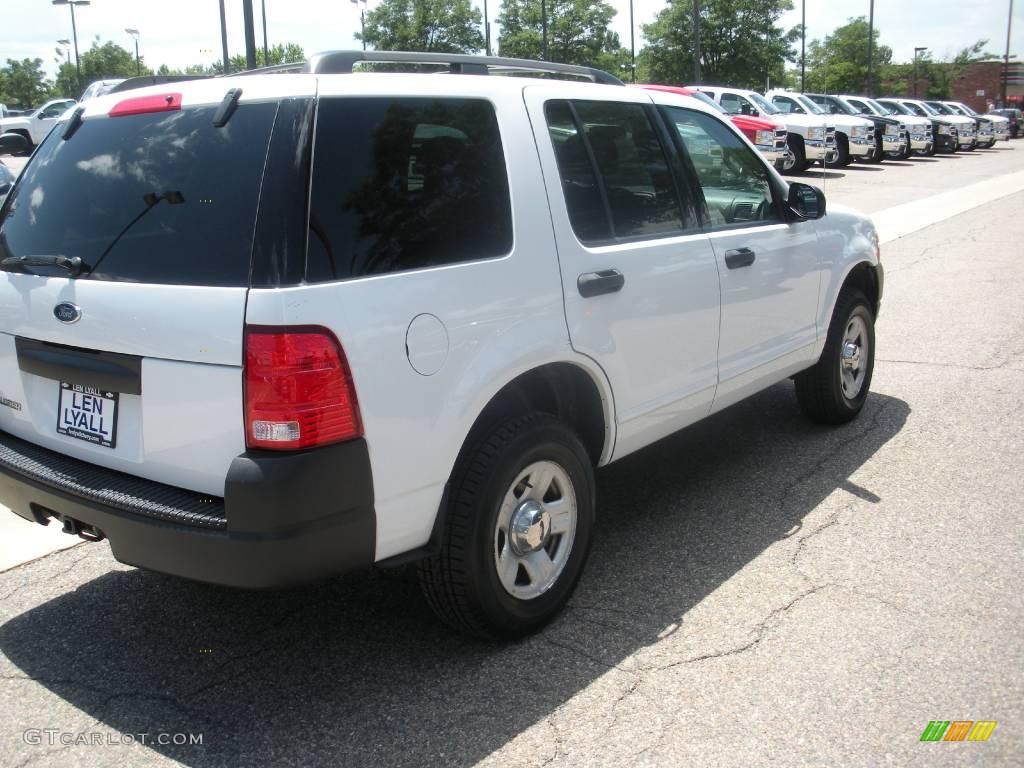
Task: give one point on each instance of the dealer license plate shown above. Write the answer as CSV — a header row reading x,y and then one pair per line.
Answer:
x,y
87,413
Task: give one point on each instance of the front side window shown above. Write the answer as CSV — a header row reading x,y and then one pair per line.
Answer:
x,y
735,182
633,182
406,183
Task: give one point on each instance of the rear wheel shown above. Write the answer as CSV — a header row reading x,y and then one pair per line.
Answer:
x,y
517,530
28,150
834,390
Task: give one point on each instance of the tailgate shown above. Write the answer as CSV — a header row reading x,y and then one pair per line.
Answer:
x,y
131,357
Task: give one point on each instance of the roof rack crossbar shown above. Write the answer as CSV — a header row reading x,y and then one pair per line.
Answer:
x,y
343,62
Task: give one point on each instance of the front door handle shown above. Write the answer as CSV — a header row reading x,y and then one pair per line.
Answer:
x,y
597,283
740,257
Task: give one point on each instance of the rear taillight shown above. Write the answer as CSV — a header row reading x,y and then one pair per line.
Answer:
x,y
298,389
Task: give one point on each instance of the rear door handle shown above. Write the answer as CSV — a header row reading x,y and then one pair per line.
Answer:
x,y
740,257
597,283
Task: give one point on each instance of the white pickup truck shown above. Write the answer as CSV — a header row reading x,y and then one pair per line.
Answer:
x,y
855,136
37,124
810,138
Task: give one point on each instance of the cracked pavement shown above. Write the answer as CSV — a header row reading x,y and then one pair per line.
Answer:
x,y
760,590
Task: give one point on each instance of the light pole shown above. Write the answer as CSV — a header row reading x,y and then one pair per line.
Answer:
x,y
632,45
266,51
916,52
487,31
1006,57
871,43
224,39
361,4
135,36
696,42
66,45
544,30
74,34
803,45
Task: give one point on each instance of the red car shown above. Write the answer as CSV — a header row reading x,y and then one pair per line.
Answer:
x,y
768,136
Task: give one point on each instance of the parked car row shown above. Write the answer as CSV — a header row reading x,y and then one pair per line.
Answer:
x,y
838,129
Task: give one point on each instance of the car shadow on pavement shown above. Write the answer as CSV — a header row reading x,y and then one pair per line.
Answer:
x,y
357,671
864,167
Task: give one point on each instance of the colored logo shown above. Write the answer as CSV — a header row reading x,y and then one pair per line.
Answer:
x,y
67,312
958,730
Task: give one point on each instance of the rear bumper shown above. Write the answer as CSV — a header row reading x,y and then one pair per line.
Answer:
x,y
285,519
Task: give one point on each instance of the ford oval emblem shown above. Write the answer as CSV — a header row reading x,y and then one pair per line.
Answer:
x,y
67,312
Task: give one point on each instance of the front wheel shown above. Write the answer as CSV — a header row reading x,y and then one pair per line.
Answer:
x,y
834,390
517,530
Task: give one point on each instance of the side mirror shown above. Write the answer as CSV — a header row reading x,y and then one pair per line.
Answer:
x,y
805,201
13,143
745,109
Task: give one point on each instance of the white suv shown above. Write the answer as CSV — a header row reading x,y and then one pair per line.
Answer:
x,y
263,329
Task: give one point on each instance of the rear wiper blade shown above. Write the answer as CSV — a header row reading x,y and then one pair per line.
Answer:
x,y
73,264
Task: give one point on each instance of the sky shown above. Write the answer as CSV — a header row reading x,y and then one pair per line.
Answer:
x,y
182,32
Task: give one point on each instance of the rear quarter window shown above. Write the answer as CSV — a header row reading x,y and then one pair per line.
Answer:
x,y
405,183
152,198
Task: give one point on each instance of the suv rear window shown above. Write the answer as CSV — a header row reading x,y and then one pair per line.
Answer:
x,y
405,183
153,198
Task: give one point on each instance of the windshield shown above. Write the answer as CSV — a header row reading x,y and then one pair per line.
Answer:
x,y
924,108
763,104
810,106
154,198
879,108
895,108
709,101
940,109
967,110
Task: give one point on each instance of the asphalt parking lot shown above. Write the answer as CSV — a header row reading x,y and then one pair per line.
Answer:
x,y
760,589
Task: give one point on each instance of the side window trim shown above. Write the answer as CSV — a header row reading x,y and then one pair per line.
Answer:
x,y
598,176
692,180
777,201
651,113
673,157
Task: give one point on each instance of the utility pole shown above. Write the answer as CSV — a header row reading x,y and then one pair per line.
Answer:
x,y
632,45
544,30
696,42
250,35
916,52
1006,57
266,51
803,45
871,44
487,30
224,39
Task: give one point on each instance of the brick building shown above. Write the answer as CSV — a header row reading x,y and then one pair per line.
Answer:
x,y
981,85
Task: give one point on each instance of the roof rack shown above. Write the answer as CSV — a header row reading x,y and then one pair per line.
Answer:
x,y
343,62
273,69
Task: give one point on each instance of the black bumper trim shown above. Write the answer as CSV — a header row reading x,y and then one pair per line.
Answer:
x,y
117,490
292,518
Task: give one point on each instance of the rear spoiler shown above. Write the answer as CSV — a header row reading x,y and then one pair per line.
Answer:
x,y
141,82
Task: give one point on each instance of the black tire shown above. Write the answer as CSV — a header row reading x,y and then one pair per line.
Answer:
x,y
780,165
28,151
878,155
953,146
819,389
935,148
461,582
796,146
842,152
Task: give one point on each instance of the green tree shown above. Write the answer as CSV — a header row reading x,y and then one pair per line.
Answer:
x,y
424,25
109,61
279,53
839,63
741,43
578,33
24,83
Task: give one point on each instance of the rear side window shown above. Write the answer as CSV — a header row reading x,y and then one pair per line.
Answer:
x,y
406,183
152,198
635,193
